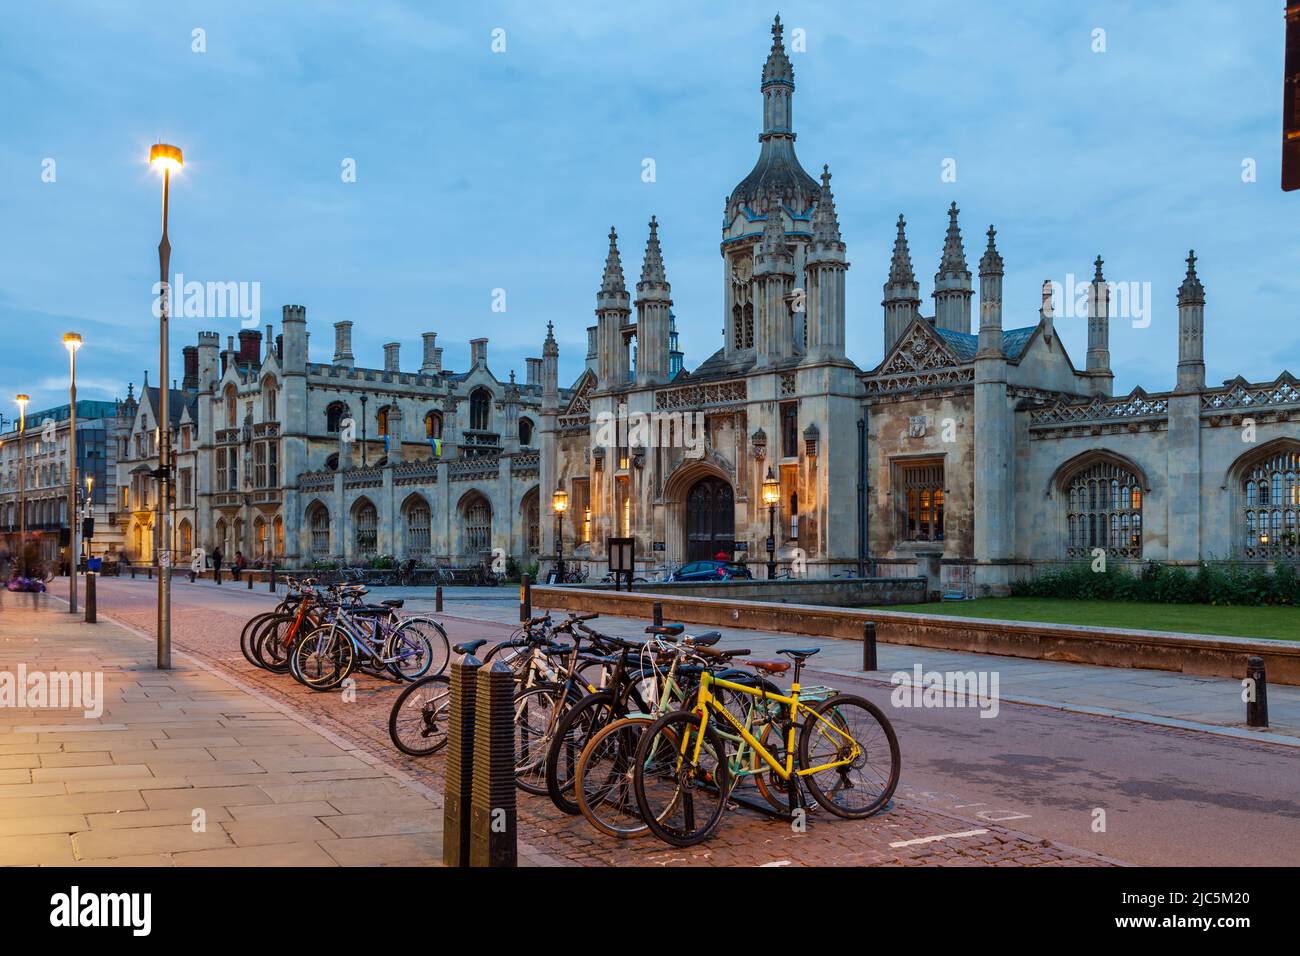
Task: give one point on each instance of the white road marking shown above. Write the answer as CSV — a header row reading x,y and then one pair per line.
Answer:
x,y
941,836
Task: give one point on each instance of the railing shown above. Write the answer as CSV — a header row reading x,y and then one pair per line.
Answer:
x,y
698,396
525,463
1136,405
415,472
1239,394
469,469
316,481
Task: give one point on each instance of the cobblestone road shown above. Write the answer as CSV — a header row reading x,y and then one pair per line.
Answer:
x,y
207,624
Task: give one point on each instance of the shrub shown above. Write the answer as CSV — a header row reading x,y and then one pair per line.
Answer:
x,y
1227,582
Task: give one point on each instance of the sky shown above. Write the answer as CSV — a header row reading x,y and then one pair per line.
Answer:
x,y
494,145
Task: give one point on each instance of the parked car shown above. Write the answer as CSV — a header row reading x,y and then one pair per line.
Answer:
x,y
711,570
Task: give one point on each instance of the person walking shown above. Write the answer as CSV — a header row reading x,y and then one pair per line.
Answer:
x,y
216,564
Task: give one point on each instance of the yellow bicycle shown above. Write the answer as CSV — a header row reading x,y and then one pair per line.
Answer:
x,y
847,754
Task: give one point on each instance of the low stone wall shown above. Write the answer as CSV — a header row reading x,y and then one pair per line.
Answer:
x,y
1155,650
825,592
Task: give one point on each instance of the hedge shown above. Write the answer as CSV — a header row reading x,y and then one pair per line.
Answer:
x,y
1209,583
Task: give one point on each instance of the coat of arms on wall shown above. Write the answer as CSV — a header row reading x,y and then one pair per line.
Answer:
x,y
916,425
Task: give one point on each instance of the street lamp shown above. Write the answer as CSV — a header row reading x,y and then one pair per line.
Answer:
x,y
559,504
90,506
72,342
771,495
22,401
168,159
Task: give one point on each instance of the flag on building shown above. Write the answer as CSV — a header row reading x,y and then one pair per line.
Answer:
x,y
436,445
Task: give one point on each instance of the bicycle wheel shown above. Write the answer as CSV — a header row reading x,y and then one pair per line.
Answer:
x,y
246,635
853,735
575,728
537,712
417,723
602,783
271,643
324,658
409,650
681,796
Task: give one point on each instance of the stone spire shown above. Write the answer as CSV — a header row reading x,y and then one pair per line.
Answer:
x,y
954,253
550,346
777,69
550,371
1098,360
612,280
902,300
991,272
826,224
652,270
1191,292
900,265
952,283
1191,330
772,244
653,301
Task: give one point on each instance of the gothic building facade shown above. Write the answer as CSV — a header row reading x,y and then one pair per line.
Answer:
x,y
974,453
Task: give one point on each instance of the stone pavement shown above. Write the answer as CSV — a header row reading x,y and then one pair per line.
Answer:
x,y
182,767
1159,697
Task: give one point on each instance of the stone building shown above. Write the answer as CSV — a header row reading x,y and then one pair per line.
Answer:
x,y
302,462
974,453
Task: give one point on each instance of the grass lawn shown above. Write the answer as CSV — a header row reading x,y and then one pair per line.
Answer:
x,y
1278,623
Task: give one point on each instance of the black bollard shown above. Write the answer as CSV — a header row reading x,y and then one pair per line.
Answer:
x,y
133,572
271,581
869,646
90,597
658,614
151,572
1257,709
250,580
459,769
437,599
493,819
525,598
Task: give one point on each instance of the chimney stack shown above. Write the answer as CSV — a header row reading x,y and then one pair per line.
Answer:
x,y
250,347
343,343
190,355
478,352
392,351
534,375
430,364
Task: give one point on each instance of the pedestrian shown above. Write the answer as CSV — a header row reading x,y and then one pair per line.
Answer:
x,y
216,564
240,563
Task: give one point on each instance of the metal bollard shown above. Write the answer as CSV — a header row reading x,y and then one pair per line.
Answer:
x,y
493,819
869,646
658,614
459,769
151,572
250,580
90,597
525,598
133,572
271,581
1257,709
437,599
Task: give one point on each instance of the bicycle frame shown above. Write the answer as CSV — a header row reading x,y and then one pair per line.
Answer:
x,y
707,703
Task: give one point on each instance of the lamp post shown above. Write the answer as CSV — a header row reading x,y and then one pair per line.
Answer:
x,y
559,504
72,342
89,509
364,399
771,495
169,160
22,401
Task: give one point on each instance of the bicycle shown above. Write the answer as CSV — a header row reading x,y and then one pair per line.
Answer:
x,y
324,658
681,775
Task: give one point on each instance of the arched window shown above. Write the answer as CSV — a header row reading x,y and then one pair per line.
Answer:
x,y
277,534
232,406
269,400
480,409
478,526
382,418
1270,506
187,538
418,525
261,541
334,416
332,462
433,425
1103,504
365,529
319,522
525,432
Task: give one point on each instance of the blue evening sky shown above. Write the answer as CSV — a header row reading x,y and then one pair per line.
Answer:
x,y
479,170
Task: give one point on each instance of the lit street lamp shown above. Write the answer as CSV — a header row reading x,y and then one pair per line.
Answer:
x,y
559,504
22,401
168,159
771,495
72,342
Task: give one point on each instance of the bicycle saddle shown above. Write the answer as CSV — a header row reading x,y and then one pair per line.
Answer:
x,y
705,639
665,628
770,667
393,602
469,647
799,653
